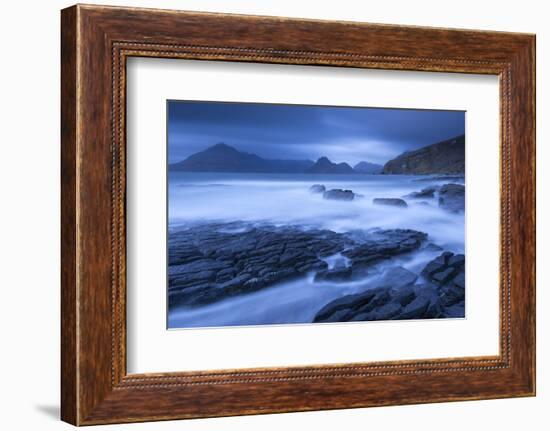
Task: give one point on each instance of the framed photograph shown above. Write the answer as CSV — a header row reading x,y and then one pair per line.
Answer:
x,y
264,215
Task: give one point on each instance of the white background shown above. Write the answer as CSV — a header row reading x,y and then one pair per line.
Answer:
x,y
151,348
29,228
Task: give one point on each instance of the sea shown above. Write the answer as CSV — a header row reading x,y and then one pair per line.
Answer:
x,y
285,199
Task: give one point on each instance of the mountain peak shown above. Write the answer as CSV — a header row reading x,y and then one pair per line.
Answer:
x,y
225,158
325,166
221,147
368,168
323,160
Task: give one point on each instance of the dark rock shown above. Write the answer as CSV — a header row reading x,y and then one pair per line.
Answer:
x,y
397,278
338,316
432,247
459,280
447,271
396,202
317,188
386,243
430,291
436,265
384,312
184,254
213,261
382,245
335,274
451,294
396,296
384,303
235,283
415,309
457,260
451,197
427,192
236,262
444,276
198,266
296,256
278,276
455,311
383,300
346,303
404,295
316,266
339,195
459,178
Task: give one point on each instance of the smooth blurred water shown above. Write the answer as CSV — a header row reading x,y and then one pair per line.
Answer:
x,y
286,199
293,302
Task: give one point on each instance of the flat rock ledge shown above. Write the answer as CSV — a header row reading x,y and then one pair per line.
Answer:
x,y
401,294
213,261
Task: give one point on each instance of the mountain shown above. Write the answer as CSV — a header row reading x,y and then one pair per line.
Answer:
x,y
325,166
446,157
368,168
224,158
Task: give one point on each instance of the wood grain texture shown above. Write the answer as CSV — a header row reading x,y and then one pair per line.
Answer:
x,y
96,41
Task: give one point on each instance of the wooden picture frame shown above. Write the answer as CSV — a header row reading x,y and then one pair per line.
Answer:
x,y
95,43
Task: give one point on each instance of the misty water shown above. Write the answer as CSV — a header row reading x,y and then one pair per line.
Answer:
x,y
285,199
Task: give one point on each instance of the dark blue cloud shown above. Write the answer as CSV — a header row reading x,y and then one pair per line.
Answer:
x,y
343,134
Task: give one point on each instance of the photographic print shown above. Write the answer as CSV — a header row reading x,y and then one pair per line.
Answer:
x,y
298,214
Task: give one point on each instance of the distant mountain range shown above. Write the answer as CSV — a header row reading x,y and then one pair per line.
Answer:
x,y
325,166
224,158
445,157
368,168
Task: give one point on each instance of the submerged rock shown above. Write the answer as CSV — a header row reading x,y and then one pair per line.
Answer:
x,y
382,245
432,247
340,272
339,195
459,178
428,192
451,197
317,188
396,202
398,278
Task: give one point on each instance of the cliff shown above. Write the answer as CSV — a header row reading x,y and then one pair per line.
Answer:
x,y
446,157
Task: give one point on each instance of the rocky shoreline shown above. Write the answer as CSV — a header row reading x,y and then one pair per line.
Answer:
x,y
215,261
401,294
212,261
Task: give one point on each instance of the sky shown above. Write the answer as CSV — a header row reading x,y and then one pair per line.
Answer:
x,y
343,134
